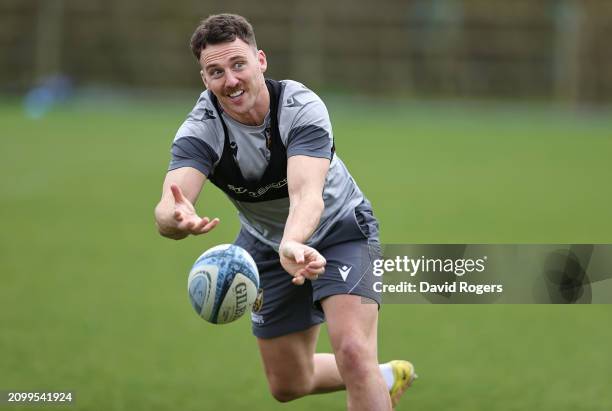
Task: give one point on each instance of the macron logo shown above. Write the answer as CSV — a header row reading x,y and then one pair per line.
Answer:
x,y
344,271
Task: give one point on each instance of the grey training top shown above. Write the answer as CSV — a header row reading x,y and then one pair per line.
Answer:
x,y
304,128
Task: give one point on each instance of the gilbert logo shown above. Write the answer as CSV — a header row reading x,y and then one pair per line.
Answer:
x,y
344,271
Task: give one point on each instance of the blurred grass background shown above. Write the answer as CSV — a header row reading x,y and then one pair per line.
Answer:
x,y
94,301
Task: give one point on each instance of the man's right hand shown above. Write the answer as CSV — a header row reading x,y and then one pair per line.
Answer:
x,y
177,218
185,216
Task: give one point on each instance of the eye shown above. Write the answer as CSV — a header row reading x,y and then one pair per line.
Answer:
x,y
239,65
215,73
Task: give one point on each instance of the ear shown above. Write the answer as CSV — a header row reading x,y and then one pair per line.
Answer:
x,y
203,76
263,62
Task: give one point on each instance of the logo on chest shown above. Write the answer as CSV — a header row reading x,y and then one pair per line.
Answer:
x,y
260,191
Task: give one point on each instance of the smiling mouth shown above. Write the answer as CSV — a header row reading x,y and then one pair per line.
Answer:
x,y
236,94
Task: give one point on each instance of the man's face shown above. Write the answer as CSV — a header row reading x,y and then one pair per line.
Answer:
x,y
234,73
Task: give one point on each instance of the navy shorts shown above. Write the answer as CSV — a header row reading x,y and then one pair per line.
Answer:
x,y
349,248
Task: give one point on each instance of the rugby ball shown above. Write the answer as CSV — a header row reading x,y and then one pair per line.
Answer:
x,y
223,284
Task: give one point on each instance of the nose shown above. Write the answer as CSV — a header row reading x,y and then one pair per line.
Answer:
x,y
231,80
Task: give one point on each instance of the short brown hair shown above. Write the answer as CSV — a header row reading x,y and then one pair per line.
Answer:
x,y
221,28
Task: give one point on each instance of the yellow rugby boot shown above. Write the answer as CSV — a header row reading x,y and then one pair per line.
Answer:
x,y
404,375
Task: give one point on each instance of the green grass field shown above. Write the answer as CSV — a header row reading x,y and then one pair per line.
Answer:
x,y
94,301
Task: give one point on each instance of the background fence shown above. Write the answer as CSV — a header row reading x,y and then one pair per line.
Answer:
x,y
551,49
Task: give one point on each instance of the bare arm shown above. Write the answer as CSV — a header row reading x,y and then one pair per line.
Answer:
x,y
305,179
175,214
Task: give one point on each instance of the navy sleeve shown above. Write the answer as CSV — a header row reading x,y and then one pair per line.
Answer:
x,y
309,140
193,152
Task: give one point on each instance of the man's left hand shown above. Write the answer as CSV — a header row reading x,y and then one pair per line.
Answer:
x,y
301,261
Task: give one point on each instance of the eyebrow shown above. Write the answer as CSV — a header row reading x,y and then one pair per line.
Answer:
x,y
240,57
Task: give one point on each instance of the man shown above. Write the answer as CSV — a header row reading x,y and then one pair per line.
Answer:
x,y
268,145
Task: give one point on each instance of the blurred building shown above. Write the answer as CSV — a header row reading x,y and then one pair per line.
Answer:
x,y
550,49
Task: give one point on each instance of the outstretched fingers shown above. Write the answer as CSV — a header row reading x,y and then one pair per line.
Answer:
x,y
203,226
298,255
316,265
209,225
309,272
194,224
177,193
